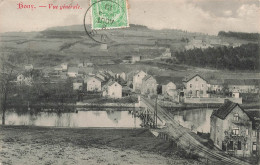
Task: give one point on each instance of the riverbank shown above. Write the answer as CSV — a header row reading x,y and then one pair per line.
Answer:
x,y
48,145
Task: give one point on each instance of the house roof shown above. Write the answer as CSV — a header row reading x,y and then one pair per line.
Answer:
x,y
225,109
189,77
109,83
242,81
92,77
147,77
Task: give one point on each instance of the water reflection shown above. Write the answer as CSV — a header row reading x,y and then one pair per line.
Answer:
x,y
197,120
80,119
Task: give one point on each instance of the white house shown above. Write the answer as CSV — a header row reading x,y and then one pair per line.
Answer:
x,y
169,88
113,90
93,83
196,86
28,67
137,80
73,71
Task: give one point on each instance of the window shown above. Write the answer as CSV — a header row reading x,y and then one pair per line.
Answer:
x,y
113,93
190,85
246,147
230,145
239,145
201,92
254,133
196,79
202,85
235,131
236,117
254,146
247,132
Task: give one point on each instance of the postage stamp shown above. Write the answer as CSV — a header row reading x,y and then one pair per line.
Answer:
x,y
109,14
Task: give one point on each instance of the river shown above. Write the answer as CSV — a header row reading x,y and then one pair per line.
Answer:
x,y
116,119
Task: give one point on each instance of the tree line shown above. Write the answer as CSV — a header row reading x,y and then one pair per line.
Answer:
x,y
240,35
244,57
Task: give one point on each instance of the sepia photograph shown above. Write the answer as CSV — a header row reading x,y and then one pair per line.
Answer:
x,y
129,82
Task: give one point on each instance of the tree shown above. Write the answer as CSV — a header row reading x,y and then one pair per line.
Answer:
x,y
6,75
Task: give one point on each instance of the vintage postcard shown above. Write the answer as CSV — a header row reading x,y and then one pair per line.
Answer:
x,y
111,82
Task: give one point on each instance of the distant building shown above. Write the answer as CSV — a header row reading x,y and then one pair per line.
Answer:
x,y
77,86
135,59
28,67
169,88
58,69
23,80
137,80
243,85
216,85
73,71
196,86
232,130
149,85
64,67
112,89
121,75
93,83
167,53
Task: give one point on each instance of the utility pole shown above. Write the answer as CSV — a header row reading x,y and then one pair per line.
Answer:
x,y
155,113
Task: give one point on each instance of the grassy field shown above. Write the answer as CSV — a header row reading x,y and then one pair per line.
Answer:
x,y
41,145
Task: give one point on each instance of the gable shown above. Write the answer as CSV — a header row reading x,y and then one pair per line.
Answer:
x,y
140,74
225,109
196,79
241,113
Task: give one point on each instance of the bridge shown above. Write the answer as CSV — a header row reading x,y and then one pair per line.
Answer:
x,y
153,113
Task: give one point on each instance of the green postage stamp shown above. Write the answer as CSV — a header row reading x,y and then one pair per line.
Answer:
x,y
109,14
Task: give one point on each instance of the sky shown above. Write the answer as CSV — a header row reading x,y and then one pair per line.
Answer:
x,y
206,16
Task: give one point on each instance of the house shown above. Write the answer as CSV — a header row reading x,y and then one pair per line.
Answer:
x,y
77,85
135,59
112,89
243,85
23,80
137,80
216,85
86,70
196,86
73,71
58,69
93,83
149,85
28,67
169,88
64,67
231,129
167,53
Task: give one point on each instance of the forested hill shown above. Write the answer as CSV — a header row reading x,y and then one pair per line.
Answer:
x,y
240,35
245,57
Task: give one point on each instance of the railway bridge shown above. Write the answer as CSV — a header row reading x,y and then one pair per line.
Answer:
x,y
155,116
